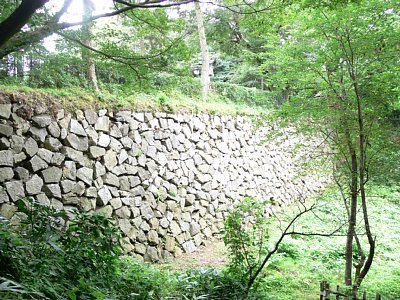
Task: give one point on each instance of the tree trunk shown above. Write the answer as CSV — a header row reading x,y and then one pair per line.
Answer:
x,y
205,56
353,209
88,8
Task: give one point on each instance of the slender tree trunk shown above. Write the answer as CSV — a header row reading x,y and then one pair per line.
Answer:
x,y
362,145
20,65
353,210
205,56
87,40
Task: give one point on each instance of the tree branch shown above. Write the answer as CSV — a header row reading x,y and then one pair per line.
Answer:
x,y
14,23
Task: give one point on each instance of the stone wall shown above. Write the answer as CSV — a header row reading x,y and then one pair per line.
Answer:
x,y
168,179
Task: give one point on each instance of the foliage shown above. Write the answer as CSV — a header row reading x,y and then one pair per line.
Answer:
x,y
211,284
246,235
304,261
46,257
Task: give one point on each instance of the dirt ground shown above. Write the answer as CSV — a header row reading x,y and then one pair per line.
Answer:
x,y
212,255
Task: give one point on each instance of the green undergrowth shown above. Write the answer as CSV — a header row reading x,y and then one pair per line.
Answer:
x,y
303,261
43,259
115,98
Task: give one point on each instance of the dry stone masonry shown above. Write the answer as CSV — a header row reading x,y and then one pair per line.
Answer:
x,y
167,179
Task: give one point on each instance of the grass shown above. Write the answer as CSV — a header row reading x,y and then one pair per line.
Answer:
x,y
172,101
304,261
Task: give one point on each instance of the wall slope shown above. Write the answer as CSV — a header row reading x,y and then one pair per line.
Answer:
x,y
168,179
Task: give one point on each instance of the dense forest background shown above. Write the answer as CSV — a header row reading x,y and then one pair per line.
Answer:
x,y
263,52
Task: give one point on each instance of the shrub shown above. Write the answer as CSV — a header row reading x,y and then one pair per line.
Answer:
x,y
246,235
51,259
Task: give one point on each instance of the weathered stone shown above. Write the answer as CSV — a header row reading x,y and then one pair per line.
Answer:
x,y
45,154
76,156
189,200
124,183
6,158
21,173
110,160
194,228
41,120
76,128
151,254
30,147
189,247
99,170
34,185
69,170
91,116
104,196
52,144
52,190
36,164
15,190
123,212
20,157
6,130
91,192
43,199
57,159
138,191
79,143
5,111
116,203
3,196
115,132
111,179
8,210
4,144
140,248
175,229
79,188
52,175
67,185
170,244
104,140
54,129
96,152
103,124
39,134
93,136
152,237
85,174
126,245
6,174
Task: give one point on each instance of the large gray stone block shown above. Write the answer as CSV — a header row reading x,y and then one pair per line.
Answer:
x,y
6,158
52,190
52,175
36,164
6,174
103,124
76,128
5,111
41,120
6,130
15,190
85,174
80,143
34,185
